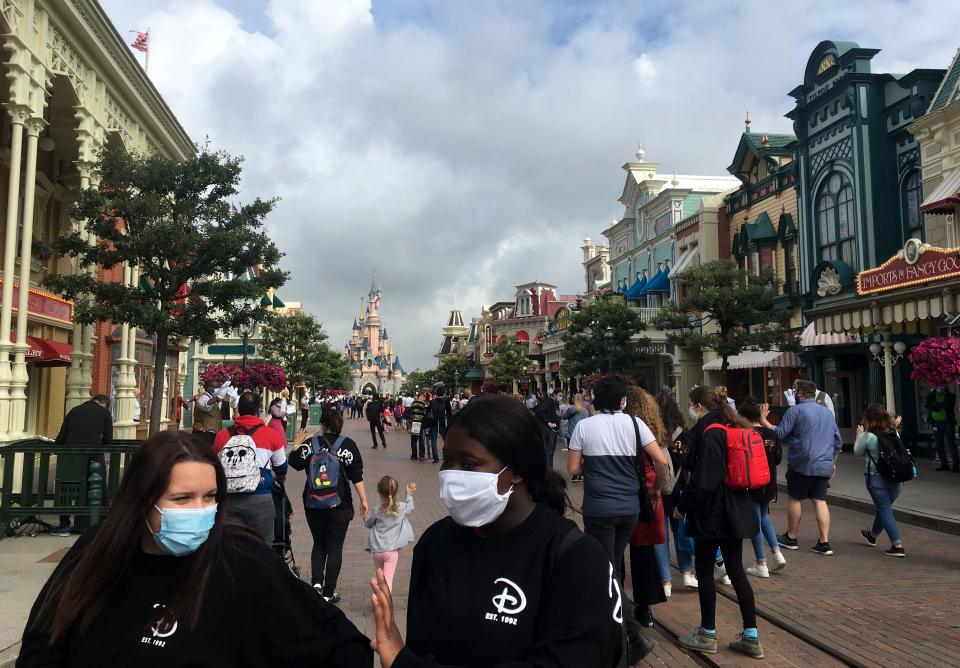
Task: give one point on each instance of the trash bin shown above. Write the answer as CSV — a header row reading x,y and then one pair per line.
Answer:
x,y
292,425
315,411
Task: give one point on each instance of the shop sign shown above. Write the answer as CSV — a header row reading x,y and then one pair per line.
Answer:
x,y
561,320
916,264
488,340
44,305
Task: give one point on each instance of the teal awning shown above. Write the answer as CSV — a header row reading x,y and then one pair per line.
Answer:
x,y
659,283
229,349
634,291
277,303
265,300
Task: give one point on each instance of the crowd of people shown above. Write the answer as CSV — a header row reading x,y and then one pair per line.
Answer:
x,y
199,515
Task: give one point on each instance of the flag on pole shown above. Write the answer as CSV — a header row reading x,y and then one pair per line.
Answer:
x,y
141,43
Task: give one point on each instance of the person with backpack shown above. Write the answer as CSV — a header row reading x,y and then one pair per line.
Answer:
x,y
252,454
548,412
389,527
415,418
719,512
505,580
436,420
763,497
876,434
331,462
374,410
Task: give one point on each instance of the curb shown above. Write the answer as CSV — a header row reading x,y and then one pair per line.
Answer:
x,y
907,516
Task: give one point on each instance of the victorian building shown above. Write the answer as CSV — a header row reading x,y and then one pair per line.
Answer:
x,y
374,365
859,190
73,88
455,337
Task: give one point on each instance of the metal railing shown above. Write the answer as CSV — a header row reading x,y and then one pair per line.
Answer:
x,y
43,478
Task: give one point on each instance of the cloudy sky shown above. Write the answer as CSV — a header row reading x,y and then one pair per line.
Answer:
x,y
460,148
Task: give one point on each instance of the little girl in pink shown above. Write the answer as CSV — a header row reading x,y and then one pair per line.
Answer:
x,y
390,529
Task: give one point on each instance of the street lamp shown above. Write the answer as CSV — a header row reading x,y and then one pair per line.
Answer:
x,y
456,381
608,337
887,353
245,335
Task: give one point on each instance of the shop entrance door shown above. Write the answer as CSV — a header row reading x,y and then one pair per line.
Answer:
x,y
844,388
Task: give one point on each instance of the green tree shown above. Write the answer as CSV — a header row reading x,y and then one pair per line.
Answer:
x,y
327,369
173,220
417,380
296,343
727,311
452,372
585,346
509,360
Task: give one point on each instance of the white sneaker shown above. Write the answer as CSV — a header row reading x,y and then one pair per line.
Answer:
x,y
758,571
690,581
725,580
779,561
719,572
667,589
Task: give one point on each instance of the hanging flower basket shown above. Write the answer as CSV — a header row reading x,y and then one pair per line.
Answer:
x,y
936,361
220,373
264,376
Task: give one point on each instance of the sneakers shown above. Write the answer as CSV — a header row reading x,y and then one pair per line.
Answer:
x,y
719,572
725,580
638,648
62,532
869,537
895,552
787,542
333,599
667,589
690,581
758,571
778,561
319,589
644,615
822,548
747,646
576,478
699,642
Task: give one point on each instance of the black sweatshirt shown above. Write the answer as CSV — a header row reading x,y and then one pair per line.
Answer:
x,y
509,601
254,613
351,469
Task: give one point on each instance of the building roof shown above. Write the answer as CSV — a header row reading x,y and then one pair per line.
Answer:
x,y
375,285
456,319
761,229
949,90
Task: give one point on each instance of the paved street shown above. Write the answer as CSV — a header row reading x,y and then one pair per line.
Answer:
x,y
875,609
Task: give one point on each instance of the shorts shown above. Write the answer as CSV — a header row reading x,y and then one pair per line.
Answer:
x,y
802,487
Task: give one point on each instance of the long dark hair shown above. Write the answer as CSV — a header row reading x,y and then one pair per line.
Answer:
x,y
710,399
80,592
669,413
877,420
512,434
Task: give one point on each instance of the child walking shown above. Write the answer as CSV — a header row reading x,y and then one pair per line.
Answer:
x,y
390,529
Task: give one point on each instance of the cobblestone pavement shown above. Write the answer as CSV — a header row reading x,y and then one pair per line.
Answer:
x,y
876,610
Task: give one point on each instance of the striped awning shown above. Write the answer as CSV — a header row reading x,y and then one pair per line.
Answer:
x,y
811,338
945,196
758,359
684,261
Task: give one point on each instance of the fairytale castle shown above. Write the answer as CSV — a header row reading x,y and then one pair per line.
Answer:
x,y
374,366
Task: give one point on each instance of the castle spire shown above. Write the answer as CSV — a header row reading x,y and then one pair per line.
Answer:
x,y
361,309
374,284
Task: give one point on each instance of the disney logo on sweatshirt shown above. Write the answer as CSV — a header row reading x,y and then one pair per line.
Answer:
x,y
508,602
164,627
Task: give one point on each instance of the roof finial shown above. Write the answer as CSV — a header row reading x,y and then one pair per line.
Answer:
x,y
746,121
641,154
675,181
765,141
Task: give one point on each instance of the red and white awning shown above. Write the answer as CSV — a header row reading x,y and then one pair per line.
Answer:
x,y
811,339
945,196
758,359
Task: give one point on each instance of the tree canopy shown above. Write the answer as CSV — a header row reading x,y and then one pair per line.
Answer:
x,y
728,311
296,343
585,348
509,361
203,267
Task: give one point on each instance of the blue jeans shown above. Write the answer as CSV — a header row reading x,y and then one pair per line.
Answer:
x,y
946,432
433,443
884,493
662,552
550,446
766,531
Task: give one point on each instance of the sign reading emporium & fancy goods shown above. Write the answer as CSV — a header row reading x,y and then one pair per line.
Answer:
x,y
916,264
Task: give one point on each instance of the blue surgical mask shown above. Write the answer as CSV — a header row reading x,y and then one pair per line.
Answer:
x,y
184,530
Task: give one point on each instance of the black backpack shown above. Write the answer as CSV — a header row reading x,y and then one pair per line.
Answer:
x,y
895,463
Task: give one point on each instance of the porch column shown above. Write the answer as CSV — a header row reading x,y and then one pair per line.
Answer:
x,y
75,393
887,345
19,377
124,427
18,116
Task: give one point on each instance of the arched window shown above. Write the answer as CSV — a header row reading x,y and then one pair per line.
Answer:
x,y
835,221
911,196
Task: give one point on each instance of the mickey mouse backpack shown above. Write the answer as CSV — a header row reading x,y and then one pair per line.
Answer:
x,y
323,475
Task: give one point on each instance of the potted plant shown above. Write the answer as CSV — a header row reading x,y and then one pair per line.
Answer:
x,y
936,361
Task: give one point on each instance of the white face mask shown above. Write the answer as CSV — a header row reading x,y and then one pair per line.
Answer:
x,y
472,498
694,415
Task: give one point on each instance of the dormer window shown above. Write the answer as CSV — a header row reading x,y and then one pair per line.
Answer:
x,y
828,61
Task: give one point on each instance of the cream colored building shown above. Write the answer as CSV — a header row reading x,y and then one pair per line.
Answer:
x,y
73,87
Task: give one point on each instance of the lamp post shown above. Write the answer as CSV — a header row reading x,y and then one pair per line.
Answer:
x,y
245,336
456,381
608,337
887,353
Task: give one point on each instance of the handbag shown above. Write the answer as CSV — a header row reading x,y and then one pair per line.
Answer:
x,y
415,428
646,514
684,541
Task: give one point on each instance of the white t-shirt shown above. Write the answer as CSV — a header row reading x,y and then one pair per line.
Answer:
x,y
407,402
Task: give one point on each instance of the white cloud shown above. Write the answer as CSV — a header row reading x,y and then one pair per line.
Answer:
x,y
471,150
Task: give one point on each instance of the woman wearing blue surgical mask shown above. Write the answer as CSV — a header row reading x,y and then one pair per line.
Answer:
x,y
165,581
505,579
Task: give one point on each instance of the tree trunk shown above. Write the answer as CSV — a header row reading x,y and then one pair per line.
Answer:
x,y
159,380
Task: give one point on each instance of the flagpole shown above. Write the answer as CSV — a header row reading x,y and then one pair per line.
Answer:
x,y
146,62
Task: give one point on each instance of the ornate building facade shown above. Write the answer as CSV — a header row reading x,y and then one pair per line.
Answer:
x,y
72,87
374,365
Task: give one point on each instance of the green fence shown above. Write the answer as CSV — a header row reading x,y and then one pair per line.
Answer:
x,y
43,478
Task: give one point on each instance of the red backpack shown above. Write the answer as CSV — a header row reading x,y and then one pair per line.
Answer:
x,y
747,466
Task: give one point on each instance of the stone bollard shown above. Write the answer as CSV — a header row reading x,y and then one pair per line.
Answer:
x,y
95,493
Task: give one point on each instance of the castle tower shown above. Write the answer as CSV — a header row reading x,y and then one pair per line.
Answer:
x,y
373,359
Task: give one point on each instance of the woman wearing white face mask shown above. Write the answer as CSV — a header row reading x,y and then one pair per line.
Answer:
x,y
165,581
505,579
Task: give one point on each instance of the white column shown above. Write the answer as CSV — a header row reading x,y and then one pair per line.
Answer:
x,y
19,377
125,426
17,118
75,393
887,345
